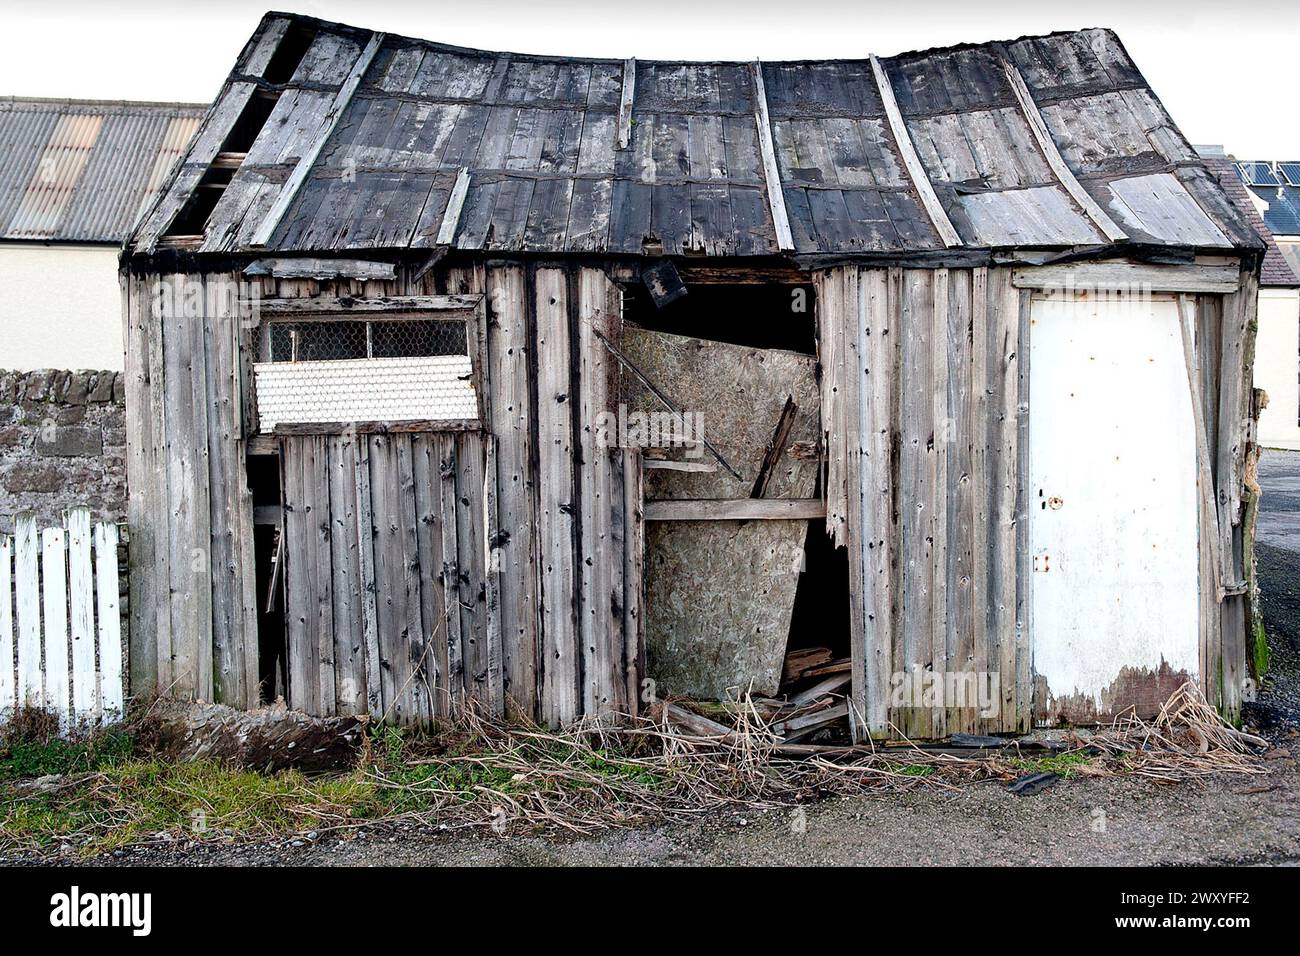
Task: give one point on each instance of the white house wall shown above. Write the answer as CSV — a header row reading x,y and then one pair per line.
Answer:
x,y
60,307
1277,365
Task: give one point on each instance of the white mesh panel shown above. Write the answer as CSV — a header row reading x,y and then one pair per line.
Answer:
x,y
427,388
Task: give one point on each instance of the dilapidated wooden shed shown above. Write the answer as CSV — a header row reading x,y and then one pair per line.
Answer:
x,y
559,383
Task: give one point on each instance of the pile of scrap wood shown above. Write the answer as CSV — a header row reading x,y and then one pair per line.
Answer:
x,y
813,703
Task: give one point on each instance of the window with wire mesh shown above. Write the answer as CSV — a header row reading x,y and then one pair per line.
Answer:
x,y
338,340
335,371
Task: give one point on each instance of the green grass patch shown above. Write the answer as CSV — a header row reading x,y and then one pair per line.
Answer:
x,y
1066,764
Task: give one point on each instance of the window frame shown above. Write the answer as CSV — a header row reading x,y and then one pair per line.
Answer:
x,y
410,308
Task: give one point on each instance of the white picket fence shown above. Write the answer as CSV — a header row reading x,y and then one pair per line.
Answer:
x,y
60,628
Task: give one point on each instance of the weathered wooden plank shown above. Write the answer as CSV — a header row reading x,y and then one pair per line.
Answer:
x,y
321,269
110,699
734,509
365,523
835,319
847,310
876,547
561,700
508,351
419,649
27,599
961,505
188,542
916,425
915,170
317,486
300,642
938,465
1047,145
1210,575
771,174
428,527
8,698
54,621
143,480
1001,463
1129,275
471,547
633,578
491,572
981,657
316,141
600,630
228,643
1236,358
455,203
81,613
452,616
321,305
625,103
196,352
1024,610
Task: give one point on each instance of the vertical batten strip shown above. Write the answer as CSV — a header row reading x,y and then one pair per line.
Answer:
x,y
82,614
299,175
1043,136
942,443
8,700
455,203
925,189
625,103
54,585
876,404
27,580
111,697
775,196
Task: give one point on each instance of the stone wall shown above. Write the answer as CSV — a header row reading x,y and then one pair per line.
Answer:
x,y
62,443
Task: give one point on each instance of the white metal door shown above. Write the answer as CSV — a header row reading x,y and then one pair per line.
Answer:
x,y
1113,505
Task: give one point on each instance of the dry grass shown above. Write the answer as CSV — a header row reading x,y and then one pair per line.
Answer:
x,y
514,777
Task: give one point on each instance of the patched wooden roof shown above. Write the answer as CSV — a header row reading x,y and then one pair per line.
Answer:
x,y
1042,142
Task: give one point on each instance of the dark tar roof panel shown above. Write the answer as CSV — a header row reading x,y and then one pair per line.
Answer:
x,y
949,139
85,170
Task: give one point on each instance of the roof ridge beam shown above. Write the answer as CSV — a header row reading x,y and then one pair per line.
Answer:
x,y
1043,136
308,159
625,103
775,195
911,161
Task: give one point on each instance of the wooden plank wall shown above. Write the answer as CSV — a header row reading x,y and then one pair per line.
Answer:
x,y
920,402
489,553
192,601
924,414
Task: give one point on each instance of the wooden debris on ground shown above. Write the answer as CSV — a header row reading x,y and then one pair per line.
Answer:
x,y
266,739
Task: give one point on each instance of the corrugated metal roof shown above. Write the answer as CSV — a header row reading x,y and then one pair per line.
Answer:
x,y
1010,141
84,170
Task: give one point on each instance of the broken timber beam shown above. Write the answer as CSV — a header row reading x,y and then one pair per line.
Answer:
x,y
775,447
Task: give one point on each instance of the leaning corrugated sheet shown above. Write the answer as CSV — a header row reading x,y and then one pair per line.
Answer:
x,y
84,170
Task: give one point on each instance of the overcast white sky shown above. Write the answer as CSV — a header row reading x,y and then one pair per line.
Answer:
x,y
1227,71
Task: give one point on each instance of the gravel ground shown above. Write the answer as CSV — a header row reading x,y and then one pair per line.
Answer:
x,y
1117,821
1231,820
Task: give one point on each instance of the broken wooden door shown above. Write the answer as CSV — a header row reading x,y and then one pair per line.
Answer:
x,y
1112,502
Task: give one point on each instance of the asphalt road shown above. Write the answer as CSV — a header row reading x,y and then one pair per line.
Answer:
x,y
1279,513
